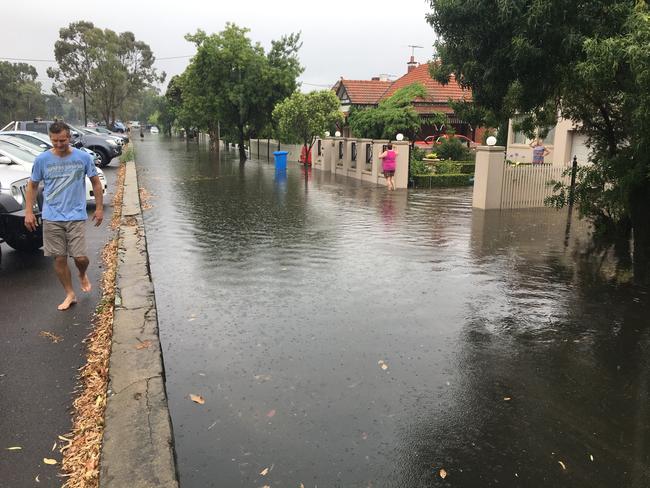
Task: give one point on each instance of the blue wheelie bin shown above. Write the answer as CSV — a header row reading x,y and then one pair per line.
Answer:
x,y
280,160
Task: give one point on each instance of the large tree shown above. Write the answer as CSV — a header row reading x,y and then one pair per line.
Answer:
x,y
102,66
392,116
233,82
302,117
20,93
584,61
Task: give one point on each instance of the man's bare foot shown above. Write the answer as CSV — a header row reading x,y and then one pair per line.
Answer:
x,y
85,283
68,302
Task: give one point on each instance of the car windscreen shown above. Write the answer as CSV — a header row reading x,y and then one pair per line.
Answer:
x,y
16,152
37,127
27,142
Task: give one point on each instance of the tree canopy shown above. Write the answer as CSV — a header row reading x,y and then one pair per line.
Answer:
x,y
102,66
392,116
584,61
20,93
233,81
302,117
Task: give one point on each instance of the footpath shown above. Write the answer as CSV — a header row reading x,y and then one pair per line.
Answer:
x,y
138,445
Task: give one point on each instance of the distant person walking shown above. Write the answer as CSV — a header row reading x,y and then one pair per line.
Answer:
x,y
63,171
388,165
539,151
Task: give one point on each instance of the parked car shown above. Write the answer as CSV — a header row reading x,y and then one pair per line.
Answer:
x,y
104,130
43,141
13,187
134,124
86,130
154,129
106,148
118,126
23,153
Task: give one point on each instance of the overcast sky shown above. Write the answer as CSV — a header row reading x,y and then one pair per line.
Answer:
x,y
355,39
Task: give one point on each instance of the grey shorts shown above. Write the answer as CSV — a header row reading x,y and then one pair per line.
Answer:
x,y
64,238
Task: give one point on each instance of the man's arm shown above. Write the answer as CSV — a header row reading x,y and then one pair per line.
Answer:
x,y
30,219
98,192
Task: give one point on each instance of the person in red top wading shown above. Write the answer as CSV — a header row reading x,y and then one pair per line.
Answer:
x,y
388,163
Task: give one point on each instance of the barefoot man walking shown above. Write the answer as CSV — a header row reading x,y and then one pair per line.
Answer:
x,y
63,171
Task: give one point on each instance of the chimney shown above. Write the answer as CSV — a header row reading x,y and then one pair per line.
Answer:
x,y
411,64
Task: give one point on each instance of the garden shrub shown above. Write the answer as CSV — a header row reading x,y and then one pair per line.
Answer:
x,y
453,149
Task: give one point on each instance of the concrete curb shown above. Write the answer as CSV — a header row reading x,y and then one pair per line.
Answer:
x,y
138,449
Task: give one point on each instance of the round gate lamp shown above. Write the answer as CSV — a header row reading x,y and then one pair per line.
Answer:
x,y
327,133
399,137
337,133
491,141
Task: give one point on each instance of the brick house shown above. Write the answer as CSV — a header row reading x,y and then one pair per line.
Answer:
x,y
368,93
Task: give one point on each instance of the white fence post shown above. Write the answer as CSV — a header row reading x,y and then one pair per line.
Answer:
x,y
488,177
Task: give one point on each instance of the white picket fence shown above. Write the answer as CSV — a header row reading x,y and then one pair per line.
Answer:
x,y
527,186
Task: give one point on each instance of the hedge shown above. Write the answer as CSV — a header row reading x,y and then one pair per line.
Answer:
x,y
442,181
455,167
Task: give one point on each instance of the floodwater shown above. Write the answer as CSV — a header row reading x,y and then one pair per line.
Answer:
x,y
346,336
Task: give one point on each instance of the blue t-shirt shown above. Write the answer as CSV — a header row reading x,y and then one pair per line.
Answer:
x,y
65,184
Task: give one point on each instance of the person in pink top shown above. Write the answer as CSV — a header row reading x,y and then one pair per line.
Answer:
x,y
388,164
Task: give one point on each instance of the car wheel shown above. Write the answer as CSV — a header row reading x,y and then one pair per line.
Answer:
x,y
104,159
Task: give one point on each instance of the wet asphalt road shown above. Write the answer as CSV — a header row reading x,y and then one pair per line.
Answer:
x,y
346,336
38,376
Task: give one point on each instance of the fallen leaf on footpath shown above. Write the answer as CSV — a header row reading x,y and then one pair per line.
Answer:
x,y
53,337
562,464
54,446
143,345
443,474
507,399
197,399
591,456
264,472
36,479
49,461
15,448
271,413
382,364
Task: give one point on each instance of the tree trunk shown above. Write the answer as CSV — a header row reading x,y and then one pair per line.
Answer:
x,y
640,216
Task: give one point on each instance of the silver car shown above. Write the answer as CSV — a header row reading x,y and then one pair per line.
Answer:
x,y
22,152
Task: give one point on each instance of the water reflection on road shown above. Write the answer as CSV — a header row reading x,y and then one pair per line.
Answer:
x,y
345,336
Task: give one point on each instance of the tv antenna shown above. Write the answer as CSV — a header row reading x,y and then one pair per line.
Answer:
x,y
413,48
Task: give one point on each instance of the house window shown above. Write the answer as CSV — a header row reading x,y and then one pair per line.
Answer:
x,y
550,137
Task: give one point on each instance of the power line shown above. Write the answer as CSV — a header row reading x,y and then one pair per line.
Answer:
x,y
32,60
54,61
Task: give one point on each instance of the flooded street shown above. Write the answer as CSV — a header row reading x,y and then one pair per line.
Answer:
x,y
346,336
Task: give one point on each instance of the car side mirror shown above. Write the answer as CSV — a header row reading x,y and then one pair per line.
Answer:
x,y
5,160
78,144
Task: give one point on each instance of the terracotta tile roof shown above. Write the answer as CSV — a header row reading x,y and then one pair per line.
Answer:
x,y
364,92
436,92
